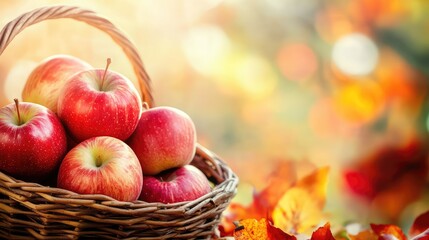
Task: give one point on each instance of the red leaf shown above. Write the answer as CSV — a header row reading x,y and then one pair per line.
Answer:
x,y
392,168
420,224
323,233
386,231
359,183
275,233
422,236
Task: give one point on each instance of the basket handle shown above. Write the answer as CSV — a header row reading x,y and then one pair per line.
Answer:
x,y
14,27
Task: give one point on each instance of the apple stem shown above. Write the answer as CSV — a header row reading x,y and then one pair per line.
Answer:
x,y
109,61
98,161
145,105
17,110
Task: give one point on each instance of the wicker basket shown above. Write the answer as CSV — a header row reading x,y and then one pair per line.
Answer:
x,y
33,211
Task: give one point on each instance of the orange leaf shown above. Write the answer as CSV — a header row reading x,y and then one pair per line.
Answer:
x,y
323,233
279,181
300,208
386,231
316,184
364,235
251,229
420,224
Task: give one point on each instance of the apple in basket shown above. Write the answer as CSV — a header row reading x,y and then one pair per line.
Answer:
x,y
102,165
99,102
164,138
32,141
185,183
44,83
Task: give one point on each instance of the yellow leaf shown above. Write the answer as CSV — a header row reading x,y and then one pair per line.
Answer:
x,y
296,212
299,210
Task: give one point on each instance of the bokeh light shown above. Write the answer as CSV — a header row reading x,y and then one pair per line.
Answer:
x,y
355,54
326,121
247,75
297,61
360,102
205,47
333,23
255,76
16,78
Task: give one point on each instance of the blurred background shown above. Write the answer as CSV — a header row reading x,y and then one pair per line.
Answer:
x,y
334,83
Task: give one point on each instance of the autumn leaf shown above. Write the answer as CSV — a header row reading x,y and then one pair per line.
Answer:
x,y
323,233
300,208
283,177
422,236
276,233
316,184
364,235
264,201
279,181
251,229
296,212
379,176
420,224
386,232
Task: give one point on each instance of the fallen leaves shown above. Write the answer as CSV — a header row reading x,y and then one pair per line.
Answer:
x,y
252,229
300,207
293,205
387,232
291,208
323,233
264,201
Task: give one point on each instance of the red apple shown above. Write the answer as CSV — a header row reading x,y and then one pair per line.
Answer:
x,y
32,141
185,183
44,83
102,165
99,103
164,138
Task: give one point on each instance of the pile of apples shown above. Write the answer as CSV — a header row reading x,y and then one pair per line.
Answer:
x,y
90,131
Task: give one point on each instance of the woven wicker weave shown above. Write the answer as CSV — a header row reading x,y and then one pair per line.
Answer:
x,y
33,211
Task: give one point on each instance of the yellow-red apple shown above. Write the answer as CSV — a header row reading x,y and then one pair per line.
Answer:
x,y
44,83
102,165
